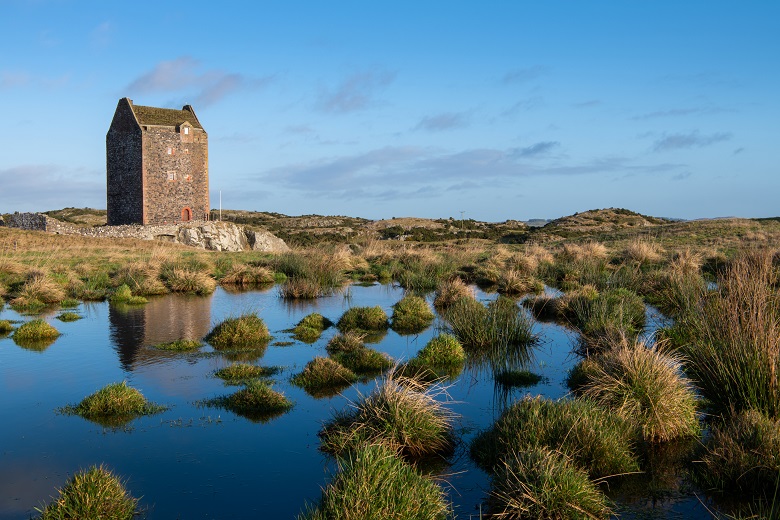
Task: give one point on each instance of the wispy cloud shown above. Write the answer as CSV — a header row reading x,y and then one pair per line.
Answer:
x,y
540,148
523,105
679,112
524,75
10,79
39,187
185,74
354,93
587,104
690,140
102,35
444,121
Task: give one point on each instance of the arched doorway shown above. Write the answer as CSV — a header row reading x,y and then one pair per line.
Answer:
x,y
186,215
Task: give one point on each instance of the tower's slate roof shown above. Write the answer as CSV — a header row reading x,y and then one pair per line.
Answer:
x,y
164,116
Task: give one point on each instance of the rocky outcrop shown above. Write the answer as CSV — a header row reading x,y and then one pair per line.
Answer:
x,y
214,236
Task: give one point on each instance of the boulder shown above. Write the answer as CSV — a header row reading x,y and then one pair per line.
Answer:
x,y
265,241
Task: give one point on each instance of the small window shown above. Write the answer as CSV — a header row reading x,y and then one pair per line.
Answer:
x,y
171,176
188,178
170,151
186,130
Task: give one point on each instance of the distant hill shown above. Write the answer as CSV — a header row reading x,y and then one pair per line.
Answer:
x,y
597,221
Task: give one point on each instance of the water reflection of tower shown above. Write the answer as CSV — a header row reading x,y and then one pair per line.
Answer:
x,y
163,319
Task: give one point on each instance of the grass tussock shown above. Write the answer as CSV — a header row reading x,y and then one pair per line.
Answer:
x,y
311,327
323,377
743,455
543,484
124,295
243,274
38,291
451,291
642,251
114,405
6,327
514,282
242,372
645,386
188,280
374,483
607,319
245,331
734,348
35,330
257,401
349,350
411,315
442,351
494,327
369,319
95,493
400,414
69,316
302,289
594,438
180,345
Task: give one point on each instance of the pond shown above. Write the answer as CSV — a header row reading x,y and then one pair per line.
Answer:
x,y
197,462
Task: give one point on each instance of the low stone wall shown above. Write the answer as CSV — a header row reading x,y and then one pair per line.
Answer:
x,y
215,236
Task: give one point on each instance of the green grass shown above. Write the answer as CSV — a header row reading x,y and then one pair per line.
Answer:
x,y
123,294
69,316
443,350
310,328
92,494
180,345
113,405
258,402
323,377
373,483
411,315
242,373
540,483
245,331
401,414
517,378
35,330
368,319
646,387
608,318
5,327
187,280
69,303
591,436
743,455
364,361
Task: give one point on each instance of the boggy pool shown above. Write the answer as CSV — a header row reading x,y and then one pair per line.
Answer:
x,y
195,462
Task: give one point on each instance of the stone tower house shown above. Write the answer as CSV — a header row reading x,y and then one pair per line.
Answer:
x,y
156,166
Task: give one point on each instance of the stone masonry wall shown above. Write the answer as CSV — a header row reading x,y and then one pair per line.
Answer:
x,y
124,172
175,175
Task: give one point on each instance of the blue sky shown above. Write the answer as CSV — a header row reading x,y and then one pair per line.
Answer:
x,y
500,109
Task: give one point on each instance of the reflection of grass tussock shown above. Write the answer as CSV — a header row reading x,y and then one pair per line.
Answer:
x,y
400,414
323,377
411,315
113,405
374,483
591,436
544,484
743,455
95,493
517,378
363,319
646,387
242,372
257,401
180,345
35,330
247,330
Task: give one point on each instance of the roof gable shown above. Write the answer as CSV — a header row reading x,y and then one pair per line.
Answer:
x,y
165,116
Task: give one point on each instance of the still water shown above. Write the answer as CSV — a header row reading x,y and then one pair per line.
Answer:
x,y
193,462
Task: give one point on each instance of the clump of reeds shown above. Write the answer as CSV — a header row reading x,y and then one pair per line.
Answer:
x,y
361,360
743,455
6,327
242,372
38,291
544,307
257,401
411,315
496,326
243,274
608,318
645,386
95,493
400,413
69,316
113,405
245,331
324,377
180,345
422,271
643,251
374,483
734,349
686,262
186,280
309,275
442,351
543,484
35,330
514,282
450,291
517,378
124,295
302,288
310,328
594,438
367,319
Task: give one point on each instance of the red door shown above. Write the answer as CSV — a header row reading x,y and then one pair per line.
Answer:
x,y
186,215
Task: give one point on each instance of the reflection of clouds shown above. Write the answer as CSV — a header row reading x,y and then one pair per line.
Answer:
x,y
26,484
